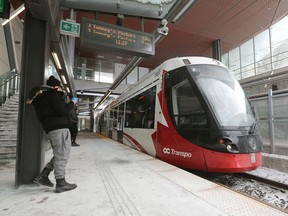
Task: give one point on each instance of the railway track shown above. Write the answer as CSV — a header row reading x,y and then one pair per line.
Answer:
x,y
271,183
265,190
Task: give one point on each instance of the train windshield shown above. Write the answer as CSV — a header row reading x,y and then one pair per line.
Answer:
x,y
224,94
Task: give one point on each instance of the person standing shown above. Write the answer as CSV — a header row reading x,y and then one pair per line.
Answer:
x,y
74,124
53,113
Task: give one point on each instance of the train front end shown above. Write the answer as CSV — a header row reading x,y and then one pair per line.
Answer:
x,y
210,111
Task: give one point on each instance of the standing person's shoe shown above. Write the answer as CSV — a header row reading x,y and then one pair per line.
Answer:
x,y
63,186
42,178
75,144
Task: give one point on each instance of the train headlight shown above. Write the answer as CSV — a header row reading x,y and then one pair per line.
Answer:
x,y
230,146
252,143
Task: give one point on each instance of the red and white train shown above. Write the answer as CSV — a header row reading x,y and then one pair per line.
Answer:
x,y
190,112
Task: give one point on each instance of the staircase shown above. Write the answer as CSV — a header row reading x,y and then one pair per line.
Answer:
x,y
8,127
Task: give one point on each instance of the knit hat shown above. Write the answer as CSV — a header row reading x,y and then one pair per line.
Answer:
x,y
52,81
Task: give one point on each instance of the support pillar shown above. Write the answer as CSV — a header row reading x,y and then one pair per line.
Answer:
x,y
30,140
216,49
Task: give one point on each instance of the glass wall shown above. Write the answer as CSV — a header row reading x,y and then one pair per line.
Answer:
x,y
266,52
262,52
104,71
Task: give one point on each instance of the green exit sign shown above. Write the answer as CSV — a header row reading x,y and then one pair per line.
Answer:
x,y
4,9
1,6
71,28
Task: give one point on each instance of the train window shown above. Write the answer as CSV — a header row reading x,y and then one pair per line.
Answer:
x,y
140,110
183,103
224,94
120,118
115,112
103,122
128,115
110,119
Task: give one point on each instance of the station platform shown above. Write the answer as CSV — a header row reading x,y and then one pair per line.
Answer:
x,y
114,179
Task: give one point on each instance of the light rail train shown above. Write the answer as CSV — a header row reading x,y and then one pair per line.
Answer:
x,y
190,112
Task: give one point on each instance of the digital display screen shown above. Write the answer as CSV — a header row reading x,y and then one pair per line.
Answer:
x,y
95,34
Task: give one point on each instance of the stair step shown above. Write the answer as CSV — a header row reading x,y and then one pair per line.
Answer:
x,y
8,155
8,127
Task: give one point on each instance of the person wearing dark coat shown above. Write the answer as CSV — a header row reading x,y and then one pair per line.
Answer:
x,y
53,113
74,125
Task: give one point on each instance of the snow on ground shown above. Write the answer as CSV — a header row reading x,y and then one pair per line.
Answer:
x,y
271,174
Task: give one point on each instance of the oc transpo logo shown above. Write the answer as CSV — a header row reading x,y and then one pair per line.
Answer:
x,y
166,150
177,153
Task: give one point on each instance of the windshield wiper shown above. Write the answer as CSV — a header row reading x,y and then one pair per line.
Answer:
x,y
252,129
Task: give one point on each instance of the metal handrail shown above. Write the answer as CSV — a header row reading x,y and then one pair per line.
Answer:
x,y
9,85
8,80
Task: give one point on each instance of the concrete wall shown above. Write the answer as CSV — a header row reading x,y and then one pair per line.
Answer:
x,y
4,62
17,29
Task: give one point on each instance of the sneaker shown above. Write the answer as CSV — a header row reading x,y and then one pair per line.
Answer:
x,y
42,180
63,186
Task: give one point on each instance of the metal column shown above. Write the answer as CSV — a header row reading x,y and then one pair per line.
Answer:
x,y
35,59
271,120
216,49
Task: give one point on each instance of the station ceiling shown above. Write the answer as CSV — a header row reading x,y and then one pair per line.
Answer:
x,y
203,21
231,21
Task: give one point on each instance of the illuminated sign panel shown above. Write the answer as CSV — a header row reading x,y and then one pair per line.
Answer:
x,y
95,34
4,9
70,28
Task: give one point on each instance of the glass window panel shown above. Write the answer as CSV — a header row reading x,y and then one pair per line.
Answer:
x,y
234,61
120,118
118,68
225,59
132,77
107,66
247,53
106,77
96,76
115,113
128,114
143,71
140,110
262,52
279,40
247,59
248,71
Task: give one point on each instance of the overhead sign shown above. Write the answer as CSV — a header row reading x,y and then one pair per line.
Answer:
x,y
96,34
1,6
4,9
71,28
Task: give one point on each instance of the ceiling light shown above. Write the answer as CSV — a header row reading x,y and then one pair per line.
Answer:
x,y
14,14
156,2
67,89
64,79
56,59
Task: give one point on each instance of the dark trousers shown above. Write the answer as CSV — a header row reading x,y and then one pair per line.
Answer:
x,y
74,131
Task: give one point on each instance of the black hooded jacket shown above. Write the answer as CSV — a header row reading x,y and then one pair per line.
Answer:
x,y
51,109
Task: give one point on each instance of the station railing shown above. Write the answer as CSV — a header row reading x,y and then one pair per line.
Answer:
x,y
272,112
9,84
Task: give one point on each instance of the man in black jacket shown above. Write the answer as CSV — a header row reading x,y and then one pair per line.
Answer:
x,y
53,113
74,124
